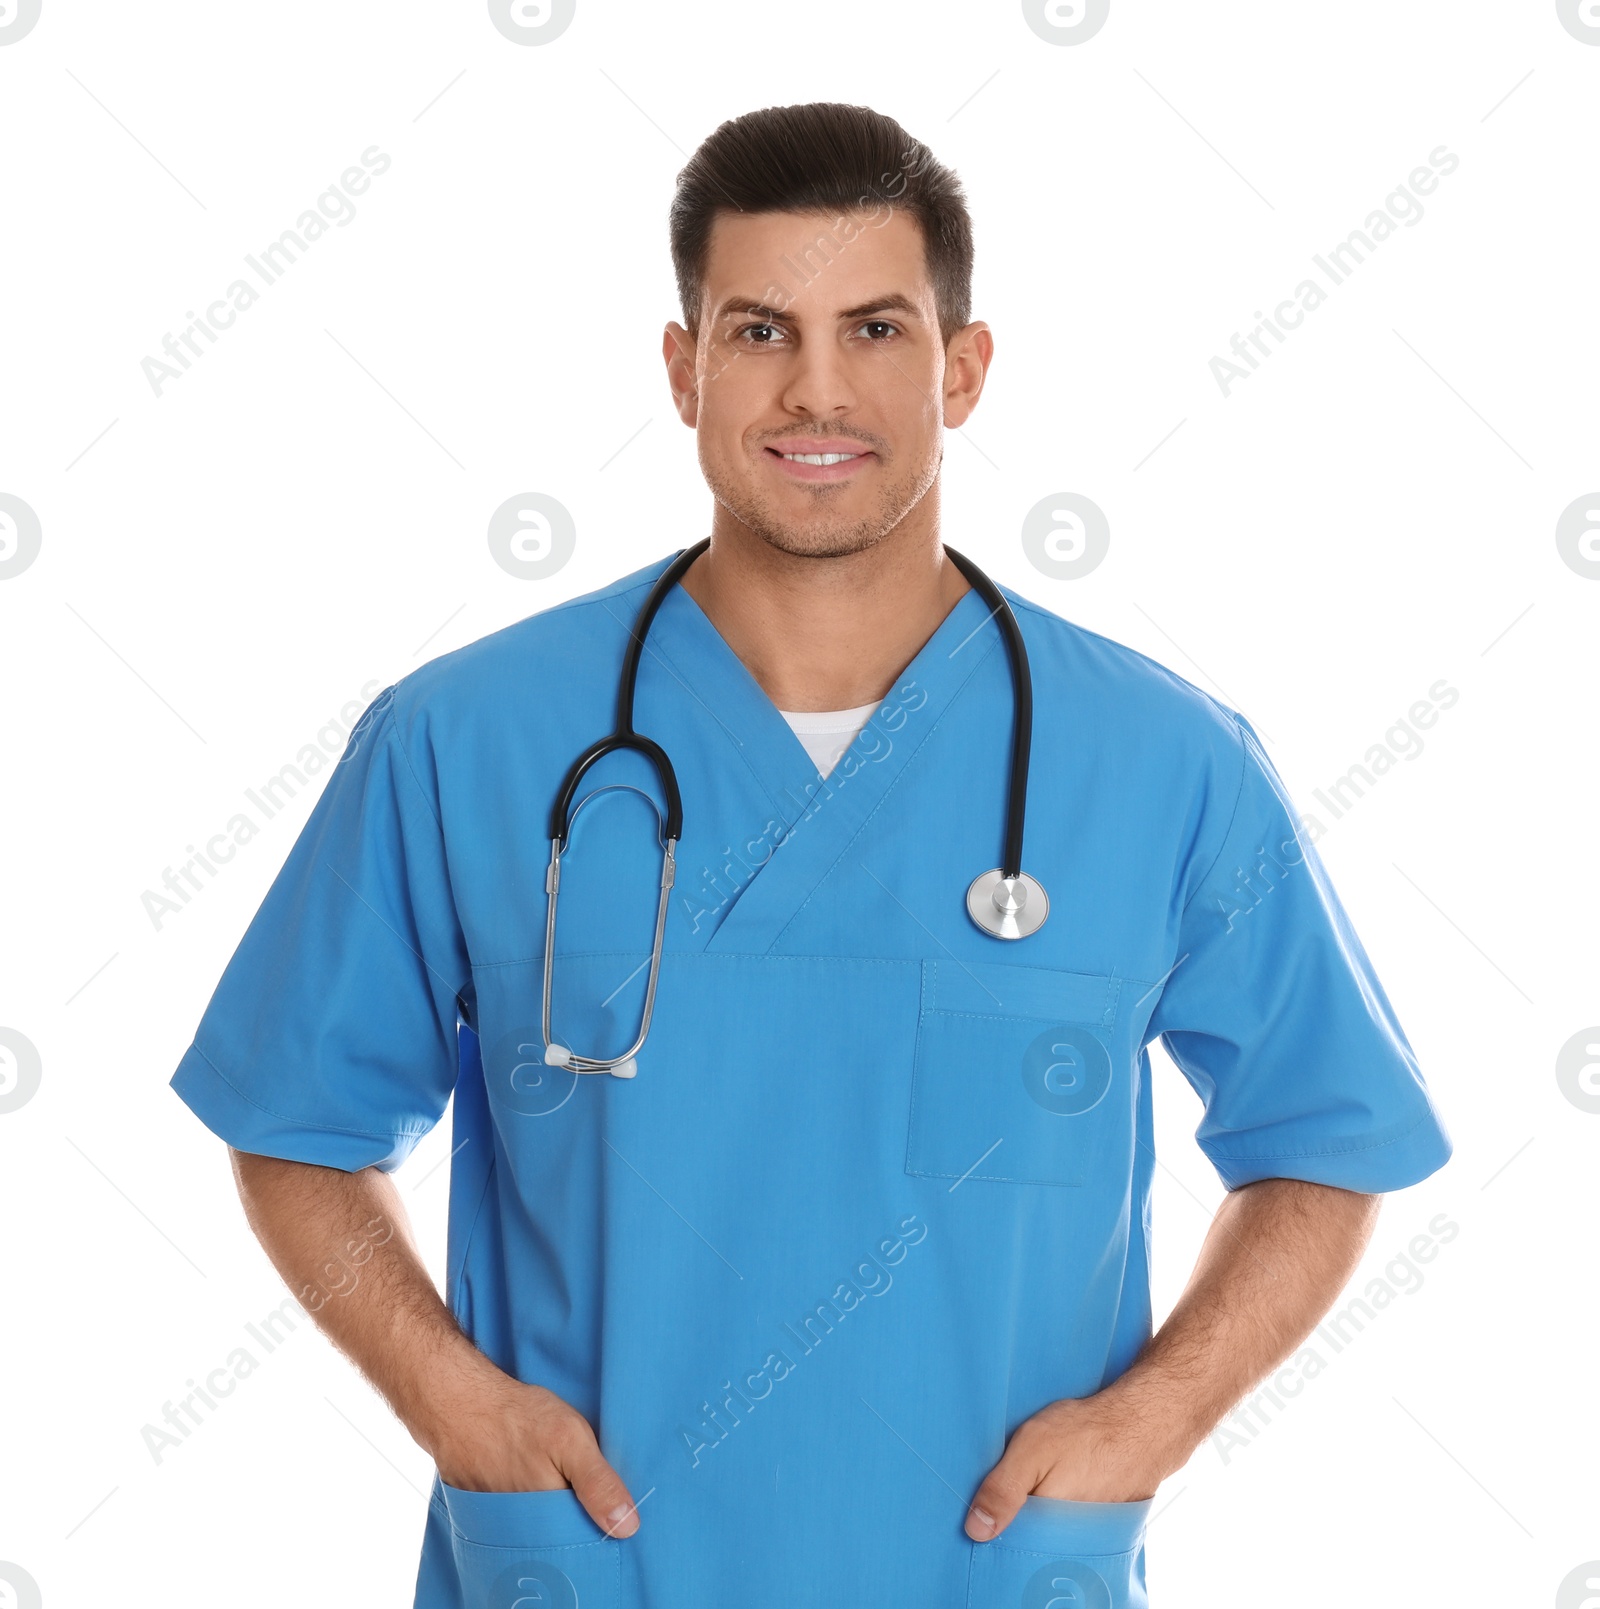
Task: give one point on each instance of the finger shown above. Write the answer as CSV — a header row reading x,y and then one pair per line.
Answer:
x,y
1000,1496
599,1487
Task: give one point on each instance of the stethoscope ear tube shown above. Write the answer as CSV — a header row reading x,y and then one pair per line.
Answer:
x,y
665,582
625,737
1021,717
558,1055
561,813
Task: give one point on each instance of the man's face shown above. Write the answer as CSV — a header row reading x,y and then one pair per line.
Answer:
x,y
820,335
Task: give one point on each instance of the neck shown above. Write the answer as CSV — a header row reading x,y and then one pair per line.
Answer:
x,y
825,633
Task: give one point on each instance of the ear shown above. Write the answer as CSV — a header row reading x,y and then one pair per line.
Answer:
x,y
678,349
966,364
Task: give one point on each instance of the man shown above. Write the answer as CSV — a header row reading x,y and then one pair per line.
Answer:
x,y
843,1297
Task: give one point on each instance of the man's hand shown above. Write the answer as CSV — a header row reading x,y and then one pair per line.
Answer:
x,y
1090,1449
510,1437
1278,1252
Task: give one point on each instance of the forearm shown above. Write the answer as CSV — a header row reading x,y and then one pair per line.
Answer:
x,y
1277,1255
343,1244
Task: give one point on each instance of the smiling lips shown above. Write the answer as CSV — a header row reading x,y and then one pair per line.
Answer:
x,y
818,460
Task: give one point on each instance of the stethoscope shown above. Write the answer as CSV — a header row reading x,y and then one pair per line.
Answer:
x,y
1006,902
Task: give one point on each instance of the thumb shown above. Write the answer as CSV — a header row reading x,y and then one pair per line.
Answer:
x,y
1002,1493
599,1487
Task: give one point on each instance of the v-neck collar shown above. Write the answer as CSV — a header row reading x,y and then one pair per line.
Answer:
x,y
821,816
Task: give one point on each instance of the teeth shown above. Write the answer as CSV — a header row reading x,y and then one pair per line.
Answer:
x,y
820,458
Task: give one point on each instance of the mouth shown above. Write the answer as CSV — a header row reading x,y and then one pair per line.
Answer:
x,y
829,466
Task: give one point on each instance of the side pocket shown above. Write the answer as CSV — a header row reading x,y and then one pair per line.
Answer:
x,y
516,1549
1059,1554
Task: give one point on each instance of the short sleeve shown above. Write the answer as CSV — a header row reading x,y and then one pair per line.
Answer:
x,y
1273,1013
331,1036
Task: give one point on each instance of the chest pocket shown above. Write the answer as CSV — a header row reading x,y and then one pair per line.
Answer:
x,y
1021,1074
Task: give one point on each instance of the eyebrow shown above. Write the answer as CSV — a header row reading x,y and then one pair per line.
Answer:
x,y
893,302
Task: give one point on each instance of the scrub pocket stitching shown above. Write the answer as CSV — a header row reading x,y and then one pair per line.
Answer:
x,y
523,1547
1113,1000
1054,1553
541,1548
1022,1016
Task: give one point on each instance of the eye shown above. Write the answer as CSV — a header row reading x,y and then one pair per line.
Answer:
x,y
878,324
745,331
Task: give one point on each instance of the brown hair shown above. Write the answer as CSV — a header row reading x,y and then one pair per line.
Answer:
x,y
829,159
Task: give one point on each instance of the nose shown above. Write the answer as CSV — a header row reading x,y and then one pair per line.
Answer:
x,y
818,382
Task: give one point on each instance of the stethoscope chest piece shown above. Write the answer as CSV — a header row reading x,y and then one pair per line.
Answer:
x,y
1007,907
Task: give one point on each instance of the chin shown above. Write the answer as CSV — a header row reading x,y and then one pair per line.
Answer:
x,y
830,541
819,528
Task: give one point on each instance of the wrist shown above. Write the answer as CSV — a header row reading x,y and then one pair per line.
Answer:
x,y
1160,1416
457,1390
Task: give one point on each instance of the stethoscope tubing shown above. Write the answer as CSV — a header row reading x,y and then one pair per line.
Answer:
x,y
1021,707
562,810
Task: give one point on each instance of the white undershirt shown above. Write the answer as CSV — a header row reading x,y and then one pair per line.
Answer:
x,y
826,734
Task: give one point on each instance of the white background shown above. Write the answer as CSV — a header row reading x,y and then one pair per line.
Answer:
x,y
223,567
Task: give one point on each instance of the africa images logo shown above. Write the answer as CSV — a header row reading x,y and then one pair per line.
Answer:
x,y
1066,22
532,22
1402,206
336,206
20,534
17,18
21,1070
1067,1070
1066,1582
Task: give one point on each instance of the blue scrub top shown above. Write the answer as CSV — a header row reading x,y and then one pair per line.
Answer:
x,y
881,1188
